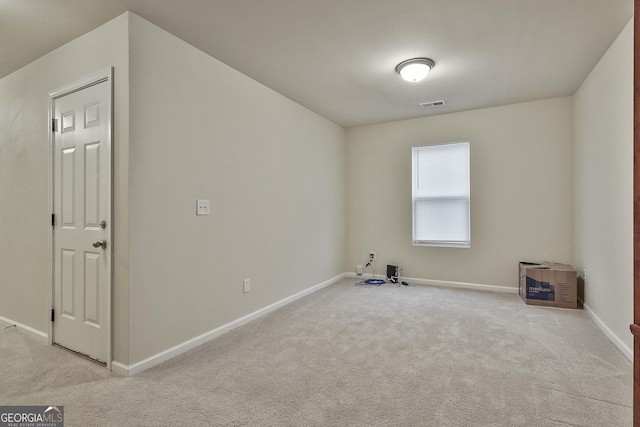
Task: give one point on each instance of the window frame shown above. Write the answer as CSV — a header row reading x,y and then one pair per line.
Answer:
x,y
416,198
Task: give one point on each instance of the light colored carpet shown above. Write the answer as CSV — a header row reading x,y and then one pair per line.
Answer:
x,y
353,356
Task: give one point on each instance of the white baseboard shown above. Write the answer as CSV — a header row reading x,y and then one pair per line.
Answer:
x,y
625,349
33,333
119,369
136,368
448,284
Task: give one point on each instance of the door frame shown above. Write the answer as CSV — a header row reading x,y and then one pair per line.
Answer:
x,y
635,326
105,75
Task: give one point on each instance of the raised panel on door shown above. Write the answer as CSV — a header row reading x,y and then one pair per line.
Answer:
x,y
67,190
92,289
92,184
67,276
92,114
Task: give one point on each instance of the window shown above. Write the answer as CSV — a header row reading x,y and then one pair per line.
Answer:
x,y
441,195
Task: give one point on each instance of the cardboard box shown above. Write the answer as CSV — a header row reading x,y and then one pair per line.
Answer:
x,y
548,284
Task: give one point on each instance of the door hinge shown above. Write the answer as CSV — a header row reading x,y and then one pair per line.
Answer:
x,y
53,125
53,314
53,220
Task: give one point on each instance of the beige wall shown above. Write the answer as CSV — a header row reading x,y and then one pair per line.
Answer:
x,y
273,171
25,209
603,187
521,192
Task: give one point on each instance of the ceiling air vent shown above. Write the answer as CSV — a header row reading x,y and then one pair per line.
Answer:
x,y
432,104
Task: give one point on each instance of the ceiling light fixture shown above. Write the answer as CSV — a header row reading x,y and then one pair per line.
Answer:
x,y
416,69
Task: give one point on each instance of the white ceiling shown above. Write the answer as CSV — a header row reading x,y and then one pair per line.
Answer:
x,y
338,57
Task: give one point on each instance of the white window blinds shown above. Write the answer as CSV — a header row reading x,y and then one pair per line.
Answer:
x,y
441,195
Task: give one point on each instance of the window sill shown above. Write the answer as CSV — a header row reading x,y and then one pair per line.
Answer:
x,y
443,245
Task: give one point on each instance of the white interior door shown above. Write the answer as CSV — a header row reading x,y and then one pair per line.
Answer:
x,y
82,219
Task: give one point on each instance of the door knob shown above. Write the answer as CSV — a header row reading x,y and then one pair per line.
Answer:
x,y
100,243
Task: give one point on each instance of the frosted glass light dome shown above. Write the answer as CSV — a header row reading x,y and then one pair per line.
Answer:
x,y
414,70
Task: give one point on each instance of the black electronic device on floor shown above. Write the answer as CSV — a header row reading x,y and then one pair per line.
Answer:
x,y
393,271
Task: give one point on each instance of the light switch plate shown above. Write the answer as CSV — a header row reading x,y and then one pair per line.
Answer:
x,y
202,207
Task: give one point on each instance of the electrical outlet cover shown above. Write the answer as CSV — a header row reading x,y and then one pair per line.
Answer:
x,y
202,207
